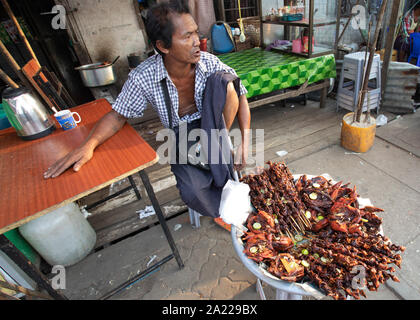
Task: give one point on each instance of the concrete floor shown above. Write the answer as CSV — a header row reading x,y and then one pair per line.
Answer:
x,y
388,174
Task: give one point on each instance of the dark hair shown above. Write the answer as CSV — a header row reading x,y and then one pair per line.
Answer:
x,y
159,25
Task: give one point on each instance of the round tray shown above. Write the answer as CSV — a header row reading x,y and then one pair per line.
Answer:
x,y
259,272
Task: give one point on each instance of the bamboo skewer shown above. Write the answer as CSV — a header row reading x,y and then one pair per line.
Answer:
x,y
18,27
305,221
297,231
302,226
295,224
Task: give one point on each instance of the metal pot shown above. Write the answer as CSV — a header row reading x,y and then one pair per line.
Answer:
x,y
98,74
27,114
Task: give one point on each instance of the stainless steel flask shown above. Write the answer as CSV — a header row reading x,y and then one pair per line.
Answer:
x,y
27,114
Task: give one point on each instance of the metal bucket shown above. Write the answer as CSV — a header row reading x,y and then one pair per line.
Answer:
x,y
97,74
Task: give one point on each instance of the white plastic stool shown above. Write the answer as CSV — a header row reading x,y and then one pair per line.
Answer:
x,y
194,218
351,79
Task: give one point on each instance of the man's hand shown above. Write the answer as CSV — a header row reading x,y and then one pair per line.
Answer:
x,y
106,127
241,158
78,157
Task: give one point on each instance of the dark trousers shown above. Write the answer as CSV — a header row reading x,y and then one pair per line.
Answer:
x,y
201,190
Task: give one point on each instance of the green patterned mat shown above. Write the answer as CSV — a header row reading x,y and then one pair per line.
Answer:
x,y
267,71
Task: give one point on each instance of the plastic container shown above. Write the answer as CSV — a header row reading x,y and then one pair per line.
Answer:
x,y
297,46
22,245
306,44
292,17
61,237
4,122
221,40
357,138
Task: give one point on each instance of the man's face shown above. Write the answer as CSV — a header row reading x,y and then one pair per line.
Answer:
x,y
185,40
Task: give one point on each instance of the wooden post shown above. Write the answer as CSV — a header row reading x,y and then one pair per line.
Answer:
x,y
20,31
311,27
389,43
370,61
15,66
7,79
337,28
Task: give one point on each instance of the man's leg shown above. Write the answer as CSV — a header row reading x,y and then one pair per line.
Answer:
x,y
230,110
231,107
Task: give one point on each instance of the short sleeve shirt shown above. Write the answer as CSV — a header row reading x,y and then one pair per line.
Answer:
x,y
143,87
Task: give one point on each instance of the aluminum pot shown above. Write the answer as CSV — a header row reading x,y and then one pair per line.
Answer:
x,y
98,74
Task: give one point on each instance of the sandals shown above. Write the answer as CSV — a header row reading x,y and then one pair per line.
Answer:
x,y
223,224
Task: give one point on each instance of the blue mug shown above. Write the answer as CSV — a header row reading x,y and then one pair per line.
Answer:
x,y
66,119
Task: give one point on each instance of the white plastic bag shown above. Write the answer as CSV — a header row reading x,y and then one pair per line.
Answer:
x,y
381,120
235,204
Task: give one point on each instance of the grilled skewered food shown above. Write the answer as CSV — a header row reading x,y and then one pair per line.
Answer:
x,y
314,230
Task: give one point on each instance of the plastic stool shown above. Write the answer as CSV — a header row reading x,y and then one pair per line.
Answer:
x,y
194,218
351,79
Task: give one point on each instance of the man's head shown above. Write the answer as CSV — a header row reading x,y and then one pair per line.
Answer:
x,y
173,31
416,9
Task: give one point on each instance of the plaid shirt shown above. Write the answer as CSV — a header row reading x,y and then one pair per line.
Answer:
x,y
143,86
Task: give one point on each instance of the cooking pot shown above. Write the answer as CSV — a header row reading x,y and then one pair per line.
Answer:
x,y
98,74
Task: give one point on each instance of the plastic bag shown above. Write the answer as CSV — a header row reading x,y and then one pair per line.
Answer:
x,y
235,204
381,120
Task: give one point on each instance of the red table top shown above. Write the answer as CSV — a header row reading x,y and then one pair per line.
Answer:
x,y
26,195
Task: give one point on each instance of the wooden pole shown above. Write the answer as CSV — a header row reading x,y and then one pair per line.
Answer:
x,y
24,290
20,31
16,68
7,79
370,61
389,43
337,28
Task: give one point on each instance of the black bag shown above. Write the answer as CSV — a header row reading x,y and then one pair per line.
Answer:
x,y
195,154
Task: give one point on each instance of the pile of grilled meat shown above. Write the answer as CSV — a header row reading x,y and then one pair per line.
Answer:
x,y
312,230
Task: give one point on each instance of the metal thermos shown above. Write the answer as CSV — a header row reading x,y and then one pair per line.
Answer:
x,y
27,114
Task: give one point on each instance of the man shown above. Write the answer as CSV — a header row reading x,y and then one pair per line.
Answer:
x,y
174,34
409,26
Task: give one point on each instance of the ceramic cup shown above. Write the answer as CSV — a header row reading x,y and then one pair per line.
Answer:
x,y
66,119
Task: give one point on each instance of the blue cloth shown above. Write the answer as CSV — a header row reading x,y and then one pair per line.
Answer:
x,y
201,190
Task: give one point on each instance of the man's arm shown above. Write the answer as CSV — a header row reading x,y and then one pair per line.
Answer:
x,y
105,128
244,121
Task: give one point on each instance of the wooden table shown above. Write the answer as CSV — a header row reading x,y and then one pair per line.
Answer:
x,y
26,195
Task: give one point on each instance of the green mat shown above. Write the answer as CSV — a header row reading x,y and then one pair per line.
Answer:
x,y
267,71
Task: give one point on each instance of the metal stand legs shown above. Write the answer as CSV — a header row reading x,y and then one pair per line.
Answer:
x,y
17,257
280,294
156,206
175,253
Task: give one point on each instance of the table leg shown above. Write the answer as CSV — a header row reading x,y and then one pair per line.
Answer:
x,y
116,194
159,214
324,93
154,267
17,257
133,185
